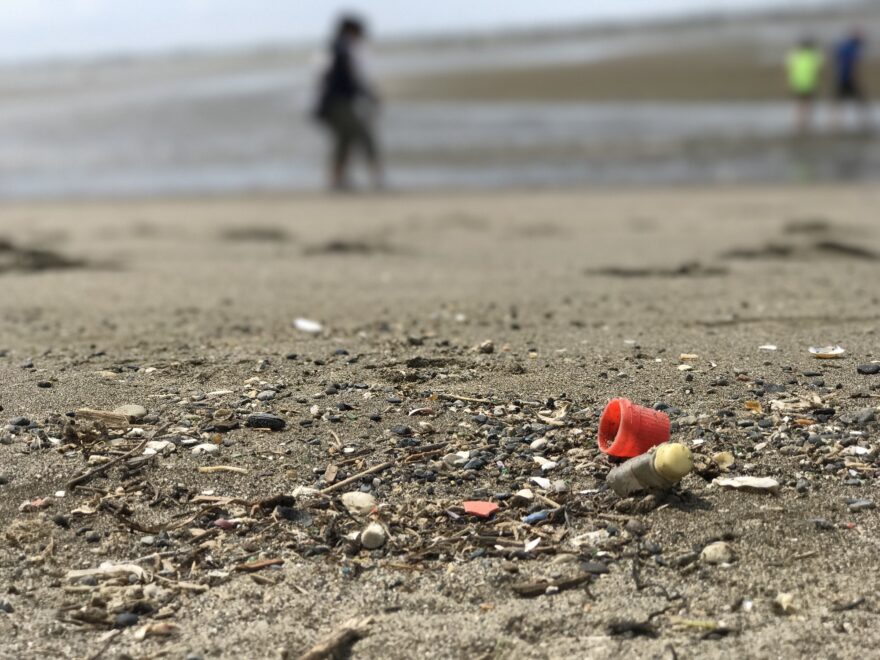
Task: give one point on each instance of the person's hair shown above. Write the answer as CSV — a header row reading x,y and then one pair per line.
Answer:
x,y
350,26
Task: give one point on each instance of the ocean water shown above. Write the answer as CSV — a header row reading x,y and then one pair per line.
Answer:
x,y
189,125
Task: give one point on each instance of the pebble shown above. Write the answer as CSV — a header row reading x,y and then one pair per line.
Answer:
x,y
125,620
6,606
20,421
868,369
266,395
132,411
373,536
266,421
457,460
205,448
358,503
859,504
44,384
717,553
487,347
92,537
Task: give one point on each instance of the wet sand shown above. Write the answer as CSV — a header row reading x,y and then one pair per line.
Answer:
x,y
186,307
732,73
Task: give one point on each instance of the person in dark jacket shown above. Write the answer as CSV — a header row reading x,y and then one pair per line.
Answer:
x,y
849,56
347,105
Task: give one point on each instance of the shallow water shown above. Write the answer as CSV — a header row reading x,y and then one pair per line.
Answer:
x,y
129,128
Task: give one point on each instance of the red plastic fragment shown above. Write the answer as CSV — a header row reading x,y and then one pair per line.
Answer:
x,y
479,508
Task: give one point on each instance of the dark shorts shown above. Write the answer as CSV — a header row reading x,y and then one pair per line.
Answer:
x,y
350,130
849,90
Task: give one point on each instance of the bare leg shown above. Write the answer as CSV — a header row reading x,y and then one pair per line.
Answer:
x,y
804,116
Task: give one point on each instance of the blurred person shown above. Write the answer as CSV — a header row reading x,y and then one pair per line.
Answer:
x,y
848,58
804,66
348,105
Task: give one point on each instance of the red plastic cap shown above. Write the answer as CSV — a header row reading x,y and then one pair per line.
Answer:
x,y
627,430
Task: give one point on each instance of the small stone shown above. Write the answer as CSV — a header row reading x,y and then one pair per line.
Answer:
x,y
523,497
358,503
205,448
538,445
373,536
92,537
44,384
6,606
132,411
717,553
859,505
266,395
868,369
635,527
784,603
125,620
266,421
594,567
401,430
487,347
148,540
20,421
457,460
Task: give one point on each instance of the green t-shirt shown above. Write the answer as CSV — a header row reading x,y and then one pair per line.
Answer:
x,y
805,70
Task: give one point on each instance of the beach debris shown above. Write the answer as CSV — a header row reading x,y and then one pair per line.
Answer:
x,y
657,470
112,420
827,352
767,347
724,460
265,421
784,603
205,448
549,587
358,503
487,347
536,517
479,508
717,553
258,565
308,326
109,570
338,644
132,411
213,469
373,536
688,356
869,369
751,484
627,429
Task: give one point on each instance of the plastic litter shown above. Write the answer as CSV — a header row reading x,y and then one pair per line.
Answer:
x,y
827,352
657,470
627,430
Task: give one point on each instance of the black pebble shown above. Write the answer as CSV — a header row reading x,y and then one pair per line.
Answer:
x,y
265,421
125,620
869,369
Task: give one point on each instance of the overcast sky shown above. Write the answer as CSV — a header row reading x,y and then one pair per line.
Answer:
x,y
39,28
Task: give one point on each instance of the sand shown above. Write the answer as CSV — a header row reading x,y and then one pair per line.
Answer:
x,y
188,296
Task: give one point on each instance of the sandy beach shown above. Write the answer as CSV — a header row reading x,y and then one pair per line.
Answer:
x,y
186,308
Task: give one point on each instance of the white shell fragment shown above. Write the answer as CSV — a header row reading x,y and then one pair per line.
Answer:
x,y
307,325
767,347
827,352
756,484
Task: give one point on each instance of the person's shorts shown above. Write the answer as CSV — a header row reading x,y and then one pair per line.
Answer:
x,y
849,90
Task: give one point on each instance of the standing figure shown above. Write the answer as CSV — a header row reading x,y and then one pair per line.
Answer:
x,y
348,105
804,65
849,88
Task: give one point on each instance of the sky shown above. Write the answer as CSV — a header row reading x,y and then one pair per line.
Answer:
x,y
49,28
